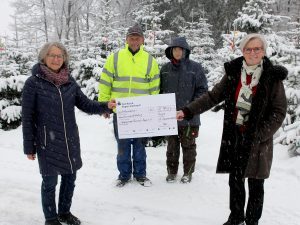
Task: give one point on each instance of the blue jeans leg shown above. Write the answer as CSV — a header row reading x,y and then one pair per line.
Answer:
x,y
124,162
48,196
139,157
66,191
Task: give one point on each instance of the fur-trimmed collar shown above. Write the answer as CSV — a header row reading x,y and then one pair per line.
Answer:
x,y
276,71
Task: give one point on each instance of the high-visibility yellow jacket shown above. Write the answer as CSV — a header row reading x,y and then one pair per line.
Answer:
x,y
127,75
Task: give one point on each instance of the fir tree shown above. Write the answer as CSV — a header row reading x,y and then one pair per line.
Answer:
x,y
87,74
198,35
256,17
13,73
146,13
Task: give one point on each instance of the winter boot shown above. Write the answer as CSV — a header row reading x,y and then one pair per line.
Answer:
x,y
121,183
52,222
234,222
171,178
186,178
69,219
251,223
144,181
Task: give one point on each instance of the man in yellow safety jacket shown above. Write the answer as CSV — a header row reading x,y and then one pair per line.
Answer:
x,y
130,72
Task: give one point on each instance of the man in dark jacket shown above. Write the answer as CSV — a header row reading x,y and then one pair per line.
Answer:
x,y
187,80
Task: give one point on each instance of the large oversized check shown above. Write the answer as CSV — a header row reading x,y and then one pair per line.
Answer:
x,y
147,116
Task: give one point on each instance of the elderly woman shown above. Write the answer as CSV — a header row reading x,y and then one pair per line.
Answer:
x,y
50,130
255,106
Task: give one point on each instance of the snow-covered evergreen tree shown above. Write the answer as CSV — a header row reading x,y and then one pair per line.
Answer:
x,y
13,73
290,133
146,13
198,35
256,17
293,33
229,52
87,72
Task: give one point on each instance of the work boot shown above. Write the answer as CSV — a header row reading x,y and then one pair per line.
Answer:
x,y
186,178
171,178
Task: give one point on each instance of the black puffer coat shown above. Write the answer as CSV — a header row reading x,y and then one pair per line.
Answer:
x,y
49,124
186,79
267,113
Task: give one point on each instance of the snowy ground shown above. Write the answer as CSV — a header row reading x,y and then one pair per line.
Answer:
x,y
98,202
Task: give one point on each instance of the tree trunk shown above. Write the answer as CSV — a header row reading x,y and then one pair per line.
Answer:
x,y
68,21
45,19
16,32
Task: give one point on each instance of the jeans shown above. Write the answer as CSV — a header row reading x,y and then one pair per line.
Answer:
x,y
127,164
67,186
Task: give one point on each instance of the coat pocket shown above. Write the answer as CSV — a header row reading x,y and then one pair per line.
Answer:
x,y
45,136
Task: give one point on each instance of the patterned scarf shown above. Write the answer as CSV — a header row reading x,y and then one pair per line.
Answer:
x,y
58,78
244,101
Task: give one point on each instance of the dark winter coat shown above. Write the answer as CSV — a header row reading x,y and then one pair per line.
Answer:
x,y
266,116
49,124
186,79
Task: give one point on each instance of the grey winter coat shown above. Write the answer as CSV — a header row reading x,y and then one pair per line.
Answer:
x,y
49,124
266,116
186,79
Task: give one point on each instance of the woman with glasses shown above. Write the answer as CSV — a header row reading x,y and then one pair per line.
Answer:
x,y
50,130
255,107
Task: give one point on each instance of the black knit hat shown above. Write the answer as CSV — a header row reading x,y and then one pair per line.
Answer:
x,y
136,29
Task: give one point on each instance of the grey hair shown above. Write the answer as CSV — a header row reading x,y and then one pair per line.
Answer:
x,y
46,48
250,37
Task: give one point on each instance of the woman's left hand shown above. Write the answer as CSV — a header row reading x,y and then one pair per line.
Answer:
x,y
179,115
31,156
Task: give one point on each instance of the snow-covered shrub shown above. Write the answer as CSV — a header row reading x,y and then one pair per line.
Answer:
x,y
87,74
13,74
290,133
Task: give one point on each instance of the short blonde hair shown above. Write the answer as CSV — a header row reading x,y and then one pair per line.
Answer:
x,y
46,48
250,37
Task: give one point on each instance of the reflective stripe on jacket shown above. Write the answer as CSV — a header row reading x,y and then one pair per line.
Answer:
x,y
126,75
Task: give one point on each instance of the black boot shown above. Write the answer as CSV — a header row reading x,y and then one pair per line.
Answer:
x,y
231,221
69,219
52,222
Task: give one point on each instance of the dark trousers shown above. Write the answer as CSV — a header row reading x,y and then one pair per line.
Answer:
x,y
238,195
127,164
187,138
67,186
237,186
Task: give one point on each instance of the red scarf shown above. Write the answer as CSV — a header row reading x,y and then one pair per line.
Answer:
x,y
58,78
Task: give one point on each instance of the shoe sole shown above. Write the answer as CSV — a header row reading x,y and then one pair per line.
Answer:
x,y
171,181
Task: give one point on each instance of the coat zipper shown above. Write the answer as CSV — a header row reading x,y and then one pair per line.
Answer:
x,y
65,131
45,136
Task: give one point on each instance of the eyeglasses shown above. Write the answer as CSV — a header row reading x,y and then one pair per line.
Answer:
x,y
53,56
255,50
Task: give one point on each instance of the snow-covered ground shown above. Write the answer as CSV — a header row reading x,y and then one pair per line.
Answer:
x,y
98,202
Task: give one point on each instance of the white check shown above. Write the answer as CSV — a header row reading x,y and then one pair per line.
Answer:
x,y
147,116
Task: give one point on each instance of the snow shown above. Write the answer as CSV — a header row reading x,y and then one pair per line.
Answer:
x,y
97,201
